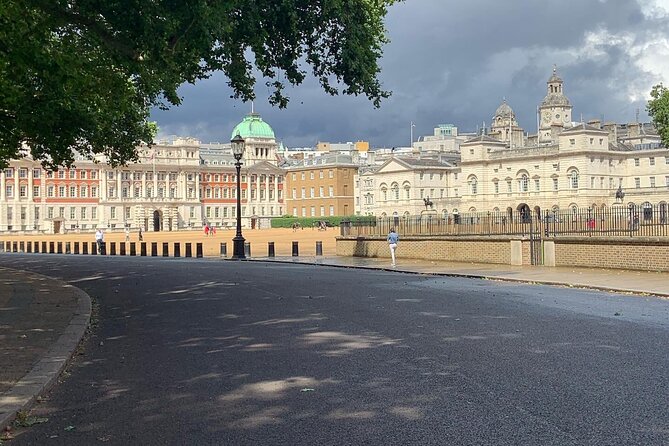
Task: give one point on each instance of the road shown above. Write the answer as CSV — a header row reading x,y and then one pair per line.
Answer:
x,y
202,352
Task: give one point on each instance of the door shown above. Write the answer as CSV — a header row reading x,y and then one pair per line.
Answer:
x,y
156,221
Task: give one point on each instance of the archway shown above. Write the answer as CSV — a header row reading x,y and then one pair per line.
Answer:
x,y
537,212
525,213
157,221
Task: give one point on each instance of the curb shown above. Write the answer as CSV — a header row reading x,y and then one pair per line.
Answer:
x,y
44,374
476,276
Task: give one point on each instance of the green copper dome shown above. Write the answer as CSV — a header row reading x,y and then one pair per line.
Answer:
x,y
252,126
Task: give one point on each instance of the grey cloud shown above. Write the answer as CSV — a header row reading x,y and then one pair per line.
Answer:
x,y
454,62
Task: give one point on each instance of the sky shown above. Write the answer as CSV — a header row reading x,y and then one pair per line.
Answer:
x,y
454,62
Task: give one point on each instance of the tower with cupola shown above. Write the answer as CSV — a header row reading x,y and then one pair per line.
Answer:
x,y
554,111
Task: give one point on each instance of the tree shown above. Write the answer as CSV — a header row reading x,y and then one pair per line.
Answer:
x,y
658,110
80,76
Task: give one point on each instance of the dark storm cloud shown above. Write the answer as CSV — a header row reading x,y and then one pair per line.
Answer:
x,y
454,62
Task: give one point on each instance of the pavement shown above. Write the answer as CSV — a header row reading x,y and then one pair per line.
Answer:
x,y
42,320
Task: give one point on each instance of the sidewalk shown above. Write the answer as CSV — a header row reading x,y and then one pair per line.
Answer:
x,y
636,282
41,322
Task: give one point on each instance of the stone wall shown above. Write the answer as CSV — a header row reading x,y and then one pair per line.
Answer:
x,y
642,253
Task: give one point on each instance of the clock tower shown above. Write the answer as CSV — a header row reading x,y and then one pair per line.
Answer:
x,y
555,109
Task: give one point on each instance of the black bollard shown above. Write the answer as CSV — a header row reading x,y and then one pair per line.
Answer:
x,y
296,249
166,249
122,248
319,248
133,249
154,249
247,249
52,247
189,250
68,248
270,249
177,249
76,247
112,248
198,250
224,249
142,249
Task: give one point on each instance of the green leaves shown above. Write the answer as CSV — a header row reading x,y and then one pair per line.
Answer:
x,y
658,110
78,77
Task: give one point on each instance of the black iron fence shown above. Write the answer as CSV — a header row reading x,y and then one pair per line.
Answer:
x,y
616,221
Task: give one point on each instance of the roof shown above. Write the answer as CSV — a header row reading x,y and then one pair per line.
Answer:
x,y
583,127
252,126
484,138
418,162
504,110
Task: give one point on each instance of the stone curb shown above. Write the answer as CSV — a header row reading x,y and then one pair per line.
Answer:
x,y
474,276
44,374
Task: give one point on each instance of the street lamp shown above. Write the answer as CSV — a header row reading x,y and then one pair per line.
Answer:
x,y
238,241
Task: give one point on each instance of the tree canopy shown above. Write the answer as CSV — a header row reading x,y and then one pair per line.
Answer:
x,y
658,110
81,76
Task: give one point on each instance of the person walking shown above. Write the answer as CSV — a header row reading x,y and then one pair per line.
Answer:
x,y
99,239
393,238
140,235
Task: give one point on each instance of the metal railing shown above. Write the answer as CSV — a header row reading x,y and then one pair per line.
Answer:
x,y
616,221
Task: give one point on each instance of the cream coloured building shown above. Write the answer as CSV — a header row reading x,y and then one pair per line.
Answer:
x,y
567,165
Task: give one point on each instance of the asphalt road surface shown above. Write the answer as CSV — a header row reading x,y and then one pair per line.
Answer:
x,y
207,352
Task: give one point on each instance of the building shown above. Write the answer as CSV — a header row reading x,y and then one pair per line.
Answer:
x,y
567,165
175,185
321,187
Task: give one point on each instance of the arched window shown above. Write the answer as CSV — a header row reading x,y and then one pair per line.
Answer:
x,y
407,191
524,183
647,211
573,179
384,192
395,189
473,185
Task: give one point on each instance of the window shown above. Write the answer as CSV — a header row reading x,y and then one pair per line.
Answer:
x,y
23,191
111,192
36,213
112,212
94,213
313,211
50,191
302,175
83,213
332,212
94,174
496,186
304,211
331,173
312,193
331,191
9,173
321,192
537,185
94,191
524,183
473,185
573,178
36,173
49,212
637,183
35,191
61,212
304,192
192,212
666,181
73,213
651,160
652,181
61,174
321,174
311,175
73,191
82,174
23,173
61,191
636,161
509,186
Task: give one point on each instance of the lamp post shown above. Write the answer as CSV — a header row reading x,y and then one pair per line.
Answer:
x,y
238,241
